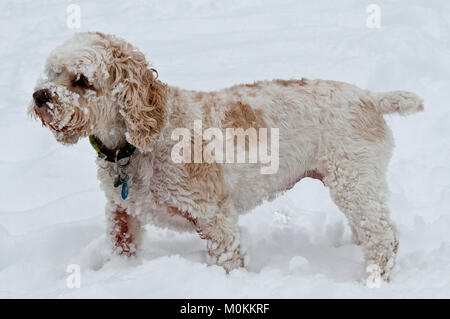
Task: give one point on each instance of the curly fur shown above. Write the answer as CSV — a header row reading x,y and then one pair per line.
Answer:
x,y
328,130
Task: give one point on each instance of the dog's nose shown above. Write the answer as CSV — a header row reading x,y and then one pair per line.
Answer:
x,y
41,97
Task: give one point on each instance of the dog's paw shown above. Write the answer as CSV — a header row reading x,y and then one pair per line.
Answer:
x,y
229,258
229,263
379,271
124,249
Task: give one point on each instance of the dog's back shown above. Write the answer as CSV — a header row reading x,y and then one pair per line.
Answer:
x,y
312,117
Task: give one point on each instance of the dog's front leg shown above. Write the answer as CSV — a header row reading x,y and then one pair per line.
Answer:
x,y
223,242
123,230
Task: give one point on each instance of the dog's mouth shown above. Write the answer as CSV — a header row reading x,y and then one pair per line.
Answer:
x,y
44,114
47,116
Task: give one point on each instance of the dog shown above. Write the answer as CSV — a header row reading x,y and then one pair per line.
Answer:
x,y
101,87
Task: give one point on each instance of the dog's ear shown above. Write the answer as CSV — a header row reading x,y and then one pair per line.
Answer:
x,y
141,96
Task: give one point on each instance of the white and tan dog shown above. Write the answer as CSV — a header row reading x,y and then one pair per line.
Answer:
x,y
100,86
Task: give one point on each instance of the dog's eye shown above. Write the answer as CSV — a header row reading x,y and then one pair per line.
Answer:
x,y
81,81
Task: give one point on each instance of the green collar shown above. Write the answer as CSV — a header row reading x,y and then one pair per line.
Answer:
x,y
111,155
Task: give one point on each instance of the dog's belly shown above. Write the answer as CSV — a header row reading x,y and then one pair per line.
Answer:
x,y
166,216
248,187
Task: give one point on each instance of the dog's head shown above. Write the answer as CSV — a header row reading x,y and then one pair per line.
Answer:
x,y
94,81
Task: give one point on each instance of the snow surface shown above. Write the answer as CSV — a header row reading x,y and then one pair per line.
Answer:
x,y
51,212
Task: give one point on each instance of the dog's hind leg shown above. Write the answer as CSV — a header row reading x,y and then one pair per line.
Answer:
x,y
223,242
359,189
123,230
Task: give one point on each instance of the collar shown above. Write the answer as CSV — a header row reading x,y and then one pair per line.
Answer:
x,y
111,155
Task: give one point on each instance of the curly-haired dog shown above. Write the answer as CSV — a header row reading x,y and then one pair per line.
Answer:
x,y
100,86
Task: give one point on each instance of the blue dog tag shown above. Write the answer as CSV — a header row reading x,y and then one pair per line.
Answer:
x,y
124,190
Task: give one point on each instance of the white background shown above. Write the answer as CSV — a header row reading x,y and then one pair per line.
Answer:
x,y
51,208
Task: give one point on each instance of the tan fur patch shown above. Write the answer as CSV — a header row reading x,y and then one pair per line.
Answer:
x,y
206,178
301,82
199,96
204,171
198,171
368,123
241,115
253,85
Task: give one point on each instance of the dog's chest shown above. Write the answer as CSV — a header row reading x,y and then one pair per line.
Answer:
x,y
146,185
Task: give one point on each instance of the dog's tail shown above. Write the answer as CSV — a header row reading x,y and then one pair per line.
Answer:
x,y
401,102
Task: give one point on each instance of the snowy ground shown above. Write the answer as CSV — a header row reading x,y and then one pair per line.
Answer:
x,y
51,212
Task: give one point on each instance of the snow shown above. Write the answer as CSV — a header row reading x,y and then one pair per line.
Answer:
x,y
299,245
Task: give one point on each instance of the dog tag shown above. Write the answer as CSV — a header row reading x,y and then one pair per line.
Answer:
x,y
124,190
